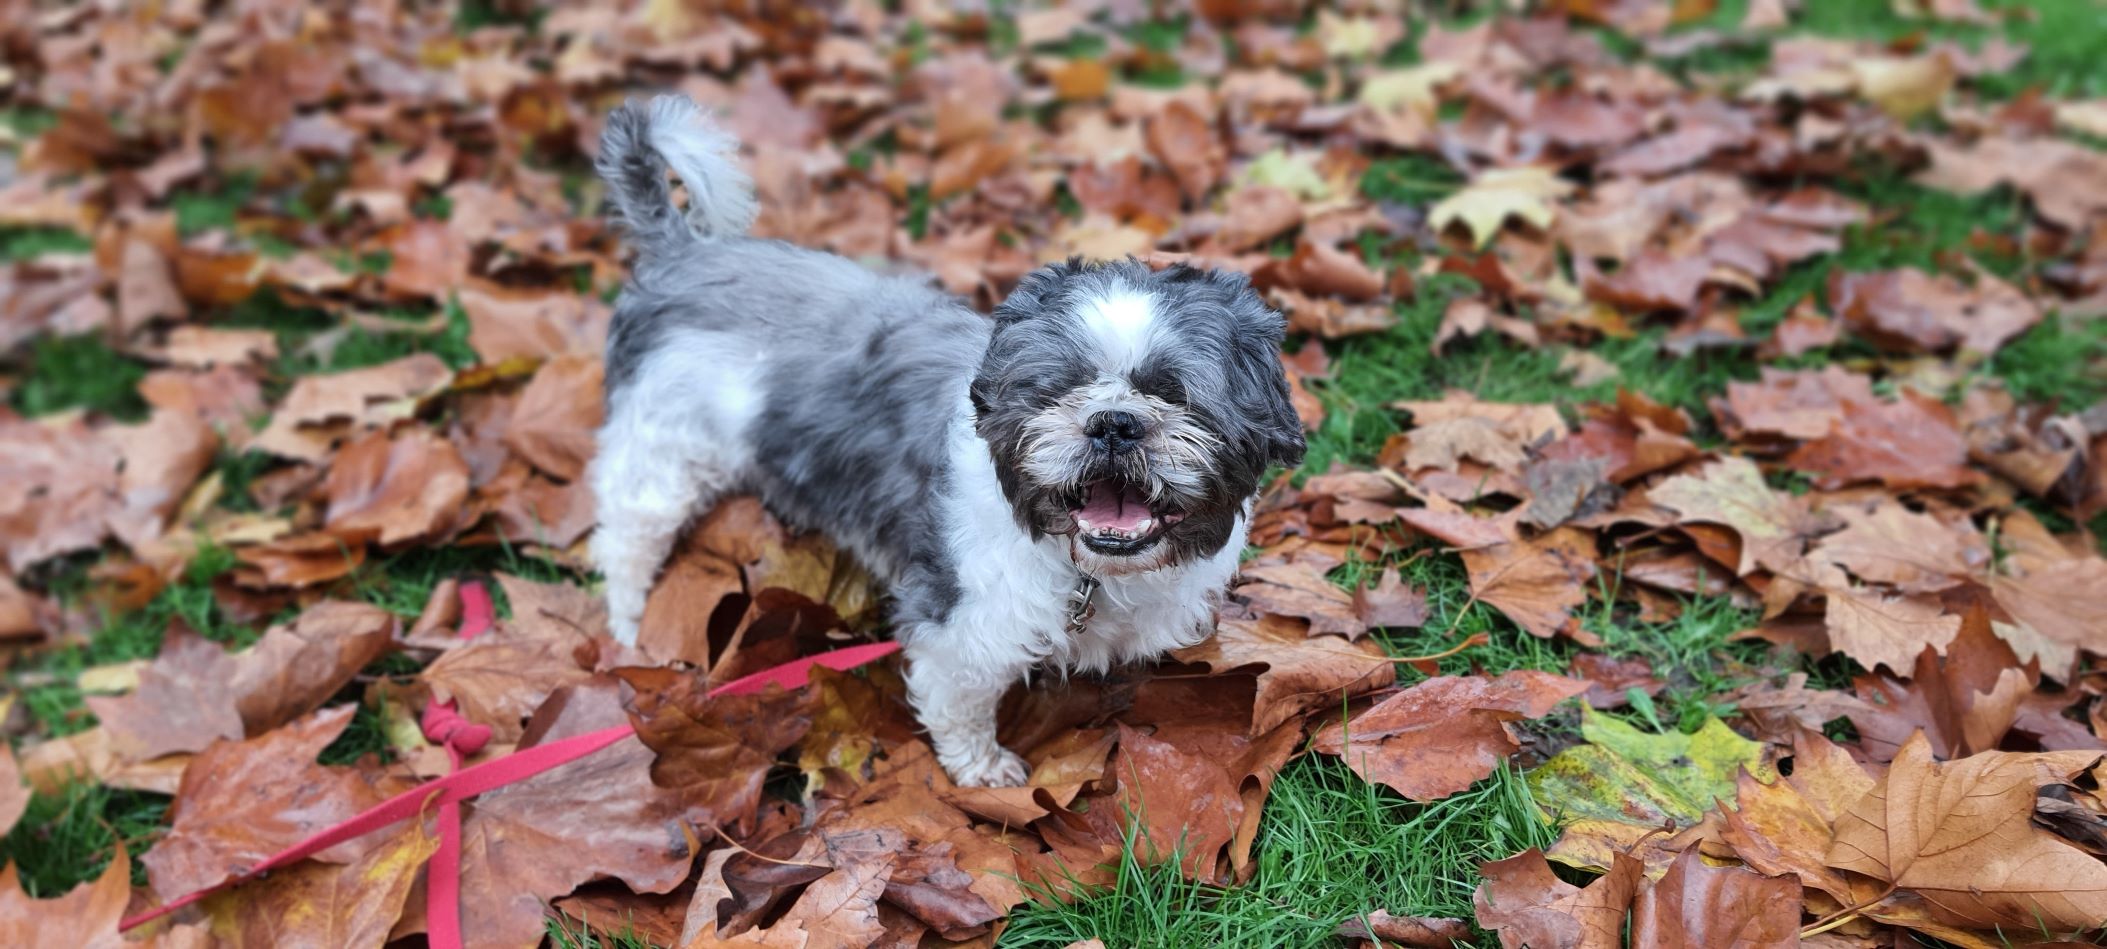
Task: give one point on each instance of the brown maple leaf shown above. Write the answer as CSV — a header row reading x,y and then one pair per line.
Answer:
x,y
395,490
86,916
1443,735
1912,442
598,817
1773,526
195,693
1301,672
1528,905
241,802
1959,834
1696,904
1786,826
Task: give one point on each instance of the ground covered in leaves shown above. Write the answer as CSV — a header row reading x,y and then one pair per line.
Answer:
x,y
1699,539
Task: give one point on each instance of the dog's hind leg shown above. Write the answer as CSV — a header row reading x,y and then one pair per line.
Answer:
x,y
674,443
643,494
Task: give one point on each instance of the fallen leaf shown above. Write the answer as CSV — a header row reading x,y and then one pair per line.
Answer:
x,y
1889,631
242,801
1625,784
14,794
1912,442
598,817
1302,590
1301,673
86,916
1958,833
1528,905
1911,311
1773,527
179,705
1537,582
1785,826
1443,735
313,903
1430,932
395,489
1184,140
1498,194
1697,904
322,408
716,752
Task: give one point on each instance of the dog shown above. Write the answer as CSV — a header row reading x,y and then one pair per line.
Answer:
x,y
1066,485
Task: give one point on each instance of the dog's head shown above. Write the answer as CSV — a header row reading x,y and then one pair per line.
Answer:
x,y
1134,411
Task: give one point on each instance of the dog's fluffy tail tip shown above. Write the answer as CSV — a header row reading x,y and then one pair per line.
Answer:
x,y
642,140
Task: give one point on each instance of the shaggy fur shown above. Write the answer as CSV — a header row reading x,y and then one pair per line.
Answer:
x,y
960,459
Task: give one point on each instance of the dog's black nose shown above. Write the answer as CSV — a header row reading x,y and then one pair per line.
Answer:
x,y
1116,432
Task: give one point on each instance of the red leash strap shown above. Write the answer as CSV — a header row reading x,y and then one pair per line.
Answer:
x,y
444,726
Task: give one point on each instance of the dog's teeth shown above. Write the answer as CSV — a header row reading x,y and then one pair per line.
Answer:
x,y
1143,527
1083,523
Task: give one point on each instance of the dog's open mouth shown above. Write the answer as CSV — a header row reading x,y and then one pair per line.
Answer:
x,y
1114,517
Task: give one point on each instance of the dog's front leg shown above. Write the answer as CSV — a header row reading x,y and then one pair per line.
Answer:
x,y
956,699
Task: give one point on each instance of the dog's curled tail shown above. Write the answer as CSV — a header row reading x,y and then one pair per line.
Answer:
x,y
641,141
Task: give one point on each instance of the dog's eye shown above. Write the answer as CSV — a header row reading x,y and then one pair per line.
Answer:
x,y
1158,383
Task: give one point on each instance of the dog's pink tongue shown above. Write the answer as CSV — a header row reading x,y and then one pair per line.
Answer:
x,y
1110,506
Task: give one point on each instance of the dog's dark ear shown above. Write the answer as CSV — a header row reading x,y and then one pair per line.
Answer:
x,y
1283,428
1256,382
1036,291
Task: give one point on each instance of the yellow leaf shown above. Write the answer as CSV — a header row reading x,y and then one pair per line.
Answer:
x,y
1408,88
1905,88
1497,194
1295,174
1624,783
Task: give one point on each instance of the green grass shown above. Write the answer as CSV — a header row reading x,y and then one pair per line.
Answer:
x,y
1692,653
402,584
1330,847
54,703
560,935
201,210
1370,372
68,838
80,372
2066,40
365,735
25,243
2059,361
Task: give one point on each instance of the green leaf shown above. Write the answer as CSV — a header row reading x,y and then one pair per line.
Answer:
x,y
1607,795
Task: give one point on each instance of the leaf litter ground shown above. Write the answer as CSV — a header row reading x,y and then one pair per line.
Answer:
x,y
1699,538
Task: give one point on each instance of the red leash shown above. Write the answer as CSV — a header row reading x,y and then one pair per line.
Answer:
x,y
444,726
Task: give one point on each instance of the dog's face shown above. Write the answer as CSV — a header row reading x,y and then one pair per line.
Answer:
x,y
1134,412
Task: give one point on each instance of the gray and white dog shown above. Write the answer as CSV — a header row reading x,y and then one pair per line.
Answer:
x,y
1066,485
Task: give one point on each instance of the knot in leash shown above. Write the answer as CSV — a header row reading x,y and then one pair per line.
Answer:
x,y
443,725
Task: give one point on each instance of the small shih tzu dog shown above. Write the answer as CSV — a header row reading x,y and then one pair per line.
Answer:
x,y
1065,485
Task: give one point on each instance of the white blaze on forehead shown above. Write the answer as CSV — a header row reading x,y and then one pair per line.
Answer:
x,y
1122,322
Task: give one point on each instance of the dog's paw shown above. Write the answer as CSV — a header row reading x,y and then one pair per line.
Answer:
x,y
1003,769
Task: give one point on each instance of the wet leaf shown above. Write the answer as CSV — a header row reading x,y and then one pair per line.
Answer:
x,y
1625,784
1445,734
86,916
1528,905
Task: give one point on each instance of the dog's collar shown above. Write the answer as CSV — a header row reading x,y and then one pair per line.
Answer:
x,y
1080,607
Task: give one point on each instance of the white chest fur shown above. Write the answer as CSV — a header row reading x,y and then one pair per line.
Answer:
x,y
1015,592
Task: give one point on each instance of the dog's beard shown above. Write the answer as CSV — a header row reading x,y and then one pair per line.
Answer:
x,y
1119,511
